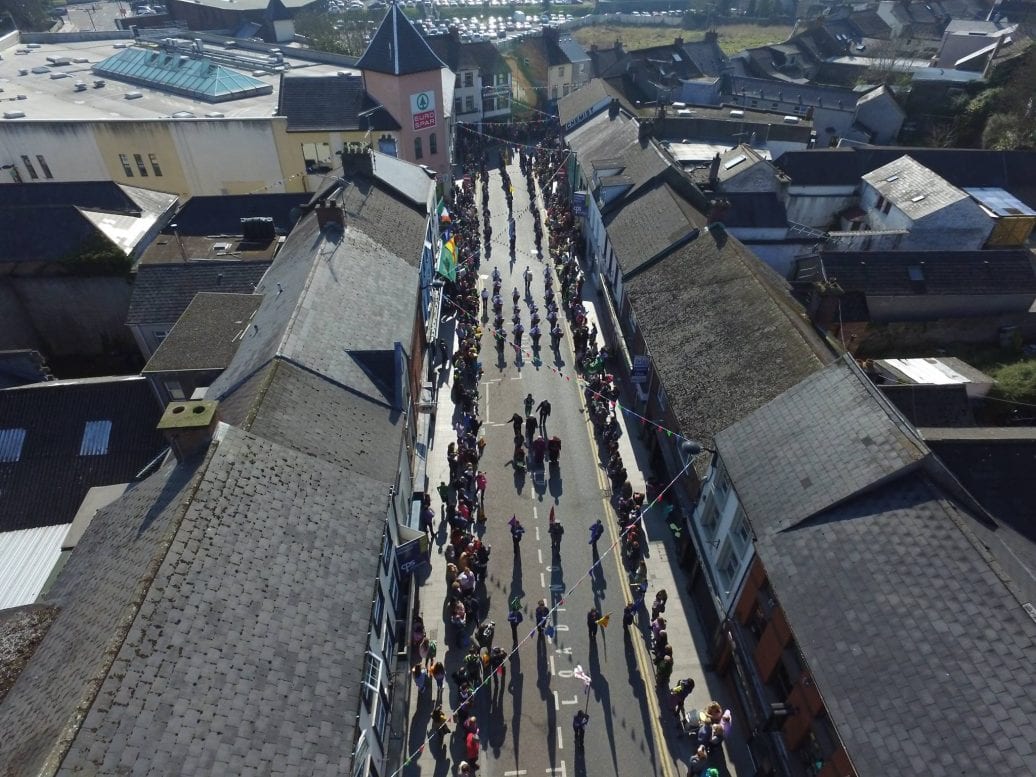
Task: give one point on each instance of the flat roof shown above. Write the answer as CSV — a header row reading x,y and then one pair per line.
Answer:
x,y
167,250
48,98
698,153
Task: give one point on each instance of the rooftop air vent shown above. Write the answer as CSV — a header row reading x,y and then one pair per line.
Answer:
x,y
133,95
14,114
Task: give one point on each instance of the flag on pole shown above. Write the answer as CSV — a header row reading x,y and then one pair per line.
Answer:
x,y
579,674
604,619
443,212
447,266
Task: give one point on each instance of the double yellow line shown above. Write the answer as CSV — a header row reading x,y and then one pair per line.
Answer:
x,y
643,661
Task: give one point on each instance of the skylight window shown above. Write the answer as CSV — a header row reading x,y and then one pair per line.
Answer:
x,y
11,442
918,198
892,178
735,162
95,438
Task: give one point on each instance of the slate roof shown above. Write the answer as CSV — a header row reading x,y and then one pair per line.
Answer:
x,y
328,308
46,221
820,442
730,167
476,55
888,273
307,413
912,623
913,188
222,214
241,655
581,100
397,48
962,167
162,292
573,51
45,485
607,62
207,335
817,95
98,593
723,332
706,55
648,224
607,137
330,101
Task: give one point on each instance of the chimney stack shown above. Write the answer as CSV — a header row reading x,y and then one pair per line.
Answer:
x,y
358,163
718,210
613,108
824,302
188,426
678,42
330,213
714,171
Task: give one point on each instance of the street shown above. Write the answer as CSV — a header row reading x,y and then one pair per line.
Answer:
x,y
526,725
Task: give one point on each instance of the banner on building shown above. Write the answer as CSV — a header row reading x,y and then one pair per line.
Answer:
x,y
422,108
579,203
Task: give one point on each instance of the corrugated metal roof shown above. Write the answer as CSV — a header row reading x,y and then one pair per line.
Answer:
x,y
11,441
95,438
27,557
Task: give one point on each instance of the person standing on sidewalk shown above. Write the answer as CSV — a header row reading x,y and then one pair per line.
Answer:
x,y
543,409
527,275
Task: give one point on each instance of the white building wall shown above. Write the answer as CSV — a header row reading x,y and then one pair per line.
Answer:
x,y
725,536
69,148
816,206
228,157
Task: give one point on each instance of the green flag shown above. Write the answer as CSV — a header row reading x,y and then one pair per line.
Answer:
x,y
448,260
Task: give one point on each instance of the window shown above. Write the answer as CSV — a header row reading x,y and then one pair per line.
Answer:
x,y
11,442
387,145
469,104
663,401
501,79
371,678
418,154
386,552
44,166
469,79
394,592
28,166
740,533
95,438
381,718
154,164
141,168
727,566
887,208
722,481
159,335
175,389
126,169
378,615
709,518
458,106
881,201
433,145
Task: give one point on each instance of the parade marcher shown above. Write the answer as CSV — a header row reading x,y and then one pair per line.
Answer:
x,y
579,722
529,402
556,530
517,530
543,410
541,617
596,532
592,618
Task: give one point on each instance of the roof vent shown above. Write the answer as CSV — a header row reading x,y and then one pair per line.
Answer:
x,y
14,114
132,95
791,119
737,114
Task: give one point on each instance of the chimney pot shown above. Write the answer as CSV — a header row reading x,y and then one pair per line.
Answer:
x,y
188,426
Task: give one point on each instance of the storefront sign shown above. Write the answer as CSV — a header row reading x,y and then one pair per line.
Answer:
x,y
579,203
641,365
422,108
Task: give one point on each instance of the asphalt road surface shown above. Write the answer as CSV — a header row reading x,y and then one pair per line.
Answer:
x,y
526,724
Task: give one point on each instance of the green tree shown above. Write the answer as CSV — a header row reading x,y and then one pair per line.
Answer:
x,y
27,14
1009,132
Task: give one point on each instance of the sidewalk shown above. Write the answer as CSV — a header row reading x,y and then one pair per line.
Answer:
x,y
663,564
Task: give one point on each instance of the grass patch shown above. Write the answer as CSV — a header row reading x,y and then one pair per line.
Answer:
x,y
732,37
